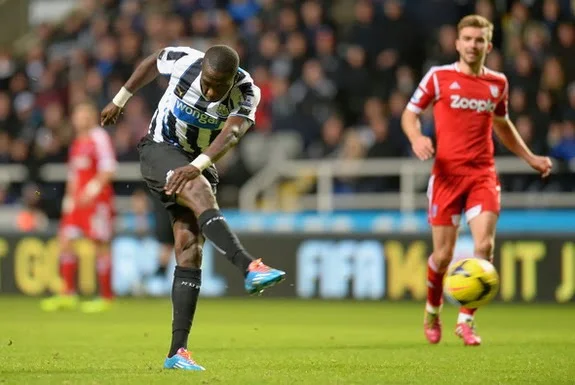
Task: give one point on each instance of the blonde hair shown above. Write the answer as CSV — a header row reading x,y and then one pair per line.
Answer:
x,y
476,21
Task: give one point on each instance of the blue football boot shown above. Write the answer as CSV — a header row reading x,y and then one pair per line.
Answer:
x,y
261,277
182,360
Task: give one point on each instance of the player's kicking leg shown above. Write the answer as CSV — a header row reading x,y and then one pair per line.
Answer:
x,y
199,197
444,238
188,243
158,161
67,299
104,274
482,229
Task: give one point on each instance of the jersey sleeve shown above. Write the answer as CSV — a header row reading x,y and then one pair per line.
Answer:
x,y
170,55
501,109
426,92
249,100
105,157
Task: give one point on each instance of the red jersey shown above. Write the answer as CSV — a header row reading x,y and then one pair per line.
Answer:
x,y
89,155
463,110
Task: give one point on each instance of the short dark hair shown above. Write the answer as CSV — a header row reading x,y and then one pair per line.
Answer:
x,y
222,59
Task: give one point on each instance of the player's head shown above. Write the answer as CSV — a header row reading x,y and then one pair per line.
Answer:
x,y
219,69
473,42
84,117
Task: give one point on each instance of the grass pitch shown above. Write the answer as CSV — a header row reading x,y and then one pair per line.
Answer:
x,y
263,341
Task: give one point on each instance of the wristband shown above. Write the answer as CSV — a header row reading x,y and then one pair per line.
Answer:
x,y
202,162
122,97
93,188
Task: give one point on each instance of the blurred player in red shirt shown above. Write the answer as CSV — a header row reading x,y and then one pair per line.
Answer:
x,y
87,209
469,103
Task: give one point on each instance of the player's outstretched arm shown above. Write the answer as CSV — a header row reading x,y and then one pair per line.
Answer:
x,y
507,133
144,73
422,145
234,128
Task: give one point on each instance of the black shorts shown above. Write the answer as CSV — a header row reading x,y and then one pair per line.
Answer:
x,y
156,160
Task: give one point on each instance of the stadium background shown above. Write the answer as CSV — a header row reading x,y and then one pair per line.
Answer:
x,y
325,184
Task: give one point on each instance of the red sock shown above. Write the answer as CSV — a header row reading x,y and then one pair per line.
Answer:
x,y
104,270
467,311
434,284
68,270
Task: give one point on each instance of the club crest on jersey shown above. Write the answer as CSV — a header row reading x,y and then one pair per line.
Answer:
x,y
222,111
494,91
179,91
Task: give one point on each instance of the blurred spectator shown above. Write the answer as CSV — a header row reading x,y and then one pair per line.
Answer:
x,y
354,83
8,121
331,137
563,141
31,218
352,149
5,144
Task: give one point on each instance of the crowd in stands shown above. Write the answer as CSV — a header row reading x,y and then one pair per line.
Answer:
x,y
334,74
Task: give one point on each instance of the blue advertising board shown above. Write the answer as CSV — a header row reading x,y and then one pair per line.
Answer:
x,y
510,221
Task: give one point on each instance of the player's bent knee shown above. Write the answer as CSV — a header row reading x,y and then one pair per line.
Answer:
x,y
65,245
442,258
197,194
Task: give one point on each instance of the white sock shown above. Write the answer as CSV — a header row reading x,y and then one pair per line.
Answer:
x,y
432,309
463,317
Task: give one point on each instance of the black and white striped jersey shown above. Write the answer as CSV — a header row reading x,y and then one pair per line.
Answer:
x,y
184,117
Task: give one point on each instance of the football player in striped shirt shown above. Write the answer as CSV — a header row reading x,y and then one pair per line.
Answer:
x,y
207,107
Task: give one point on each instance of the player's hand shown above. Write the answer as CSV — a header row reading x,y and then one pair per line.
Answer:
x,y
423,147
179,177
110,114
542,164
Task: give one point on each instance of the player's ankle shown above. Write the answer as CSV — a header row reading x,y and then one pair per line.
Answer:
x,y
464,318
432,309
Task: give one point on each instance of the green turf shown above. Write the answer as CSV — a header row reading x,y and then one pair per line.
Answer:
x,y
262,341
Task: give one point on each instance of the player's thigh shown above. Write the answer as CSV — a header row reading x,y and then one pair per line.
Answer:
x,y
446,196
482,212
156,162
198,195
484,194
188,239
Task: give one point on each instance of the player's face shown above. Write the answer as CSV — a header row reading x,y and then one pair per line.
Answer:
x,y
215,85
83,118
473,44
